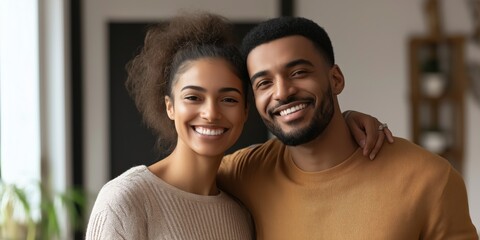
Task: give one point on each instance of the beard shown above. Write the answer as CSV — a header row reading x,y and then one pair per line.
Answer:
x,y
320,121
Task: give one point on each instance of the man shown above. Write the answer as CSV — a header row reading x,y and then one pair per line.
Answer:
x,y
312,181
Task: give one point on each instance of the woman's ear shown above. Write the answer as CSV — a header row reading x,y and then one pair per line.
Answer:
x,y
337,80
169,107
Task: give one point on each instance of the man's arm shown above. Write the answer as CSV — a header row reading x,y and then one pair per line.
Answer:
x,y
449,217
229,175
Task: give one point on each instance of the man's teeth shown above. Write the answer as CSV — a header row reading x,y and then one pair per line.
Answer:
x,y
209,131
292,109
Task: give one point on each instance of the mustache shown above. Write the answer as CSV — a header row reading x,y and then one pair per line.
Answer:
x,y
290,99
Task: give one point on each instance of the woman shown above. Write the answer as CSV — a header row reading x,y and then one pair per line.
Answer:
x,y
191,85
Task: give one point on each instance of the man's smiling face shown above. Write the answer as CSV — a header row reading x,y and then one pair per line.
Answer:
x,y
290,81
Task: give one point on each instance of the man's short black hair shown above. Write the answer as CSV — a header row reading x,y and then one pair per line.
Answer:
x,y
288,26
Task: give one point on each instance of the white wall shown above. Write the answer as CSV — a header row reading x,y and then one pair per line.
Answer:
x,y
370,39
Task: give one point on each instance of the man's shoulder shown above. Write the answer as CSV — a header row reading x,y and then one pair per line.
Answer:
x,y
408,157
271,148
257,157
403,148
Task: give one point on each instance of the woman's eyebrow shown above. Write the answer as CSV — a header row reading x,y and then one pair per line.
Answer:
x,y
230,89
194,88
201,89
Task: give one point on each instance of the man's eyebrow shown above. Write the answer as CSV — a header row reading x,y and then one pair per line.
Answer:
x,y
257,75
200,89
298,62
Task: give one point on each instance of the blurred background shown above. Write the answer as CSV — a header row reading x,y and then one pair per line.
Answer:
x,y
67,122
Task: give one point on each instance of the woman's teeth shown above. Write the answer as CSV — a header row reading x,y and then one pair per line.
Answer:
x,y
209,131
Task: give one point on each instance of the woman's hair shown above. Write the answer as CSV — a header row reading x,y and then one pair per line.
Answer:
x,y
167,52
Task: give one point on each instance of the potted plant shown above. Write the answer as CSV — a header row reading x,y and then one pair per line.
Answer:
x,y
17,220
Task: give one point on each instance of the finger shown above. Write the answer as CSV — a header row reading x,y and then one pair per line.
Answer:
x,y
378,145
359,135
371,130
388,134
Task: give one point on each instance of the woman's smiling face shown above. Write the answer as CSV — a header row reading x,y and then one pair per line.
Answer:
x,y
208,106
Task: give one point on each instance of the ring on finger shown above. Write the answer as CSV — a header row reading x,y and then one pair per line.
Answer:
x,y
382,126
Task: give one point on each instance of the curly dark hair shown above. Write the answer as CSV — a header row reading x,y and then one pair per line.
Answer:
x,y
168,49
288,26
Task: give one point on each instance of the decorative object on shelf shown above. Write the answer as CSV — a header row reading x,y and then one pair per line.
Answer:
x,y
433,77
434,140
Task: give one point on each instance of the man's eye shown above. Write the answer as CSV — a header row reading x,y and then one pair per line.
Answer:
x,y
299,73
263,83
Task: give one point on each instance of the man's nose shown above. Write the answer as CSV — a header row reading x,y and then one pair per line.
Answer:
x,y
284,88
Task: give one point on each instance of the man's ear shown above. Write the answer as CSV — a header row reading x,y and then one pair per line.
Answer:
x,y
337,79
169,107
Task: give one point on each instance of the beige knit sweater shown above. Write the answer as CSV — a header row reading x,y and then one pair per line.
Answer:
x,y
138,205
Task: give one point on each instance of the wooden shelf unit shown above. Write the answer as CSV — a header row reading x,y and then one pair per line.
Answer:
x,y
444,112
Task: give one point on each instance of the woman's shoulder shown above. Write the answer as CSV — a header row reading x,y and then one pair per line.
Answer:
x,y
120,203
127,189
128,180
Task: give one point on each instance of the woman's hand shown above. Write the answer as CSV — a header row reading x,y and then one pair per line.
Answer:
x,y
368,132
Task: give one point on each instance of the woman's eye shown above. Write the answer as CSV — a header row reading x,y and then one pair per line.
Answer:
x,y
230,100
191,98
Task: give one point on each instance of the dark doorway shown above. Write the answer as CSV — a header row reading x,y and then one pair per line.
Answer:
x,y
131,143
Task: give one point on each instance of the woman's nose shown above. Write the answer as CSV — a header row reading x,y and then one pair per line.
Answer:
x,y
211,111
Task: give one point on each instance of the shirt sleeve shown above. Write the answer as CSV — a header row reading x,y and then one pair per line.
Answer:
x,y
227,176
117,214
450,218
232,173
105,225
